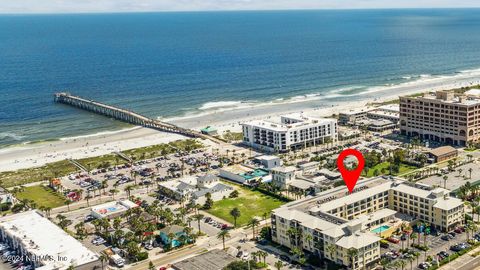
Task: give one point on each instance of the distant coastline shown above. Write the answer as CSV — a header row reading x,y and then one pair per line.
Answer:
x,y
194,68
37,154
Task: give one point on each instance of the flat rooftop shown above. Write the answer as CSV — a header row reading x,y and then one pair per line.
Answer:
x,y
41,237
303,121
212,260
111,208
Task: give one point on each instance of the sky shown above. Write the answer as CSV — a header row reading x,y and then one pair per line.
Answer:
x,y
82,6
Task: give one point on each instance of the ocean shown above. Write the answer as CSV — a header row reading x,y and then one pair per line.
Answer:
x,y
172,65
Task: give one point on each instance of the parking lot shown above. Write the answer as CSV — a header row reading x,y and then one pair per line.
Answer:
x,y
437,246
143,173
456,179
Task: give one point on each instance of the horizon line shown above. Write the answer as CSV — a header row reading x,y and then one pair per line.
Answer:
x,y
231,10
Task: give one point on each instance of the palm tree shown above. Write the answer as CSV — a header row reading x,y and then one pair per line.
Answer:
x,y
113,192
470,172
278,265
128,189
410,260
222,234
254,223
402,264
198,218
235,213
309,239
332,249
352,253
103,259
104,185
264,255
67,203
413,236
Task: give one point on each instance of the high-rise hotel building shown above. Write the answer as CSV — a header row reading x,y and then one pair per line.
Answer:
x,y
441,117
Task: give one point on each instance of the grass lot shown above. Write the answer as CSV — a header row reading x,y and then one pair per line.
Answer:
x,y
404,168
162,149
24,176
250,203
104,161
42,196
232,136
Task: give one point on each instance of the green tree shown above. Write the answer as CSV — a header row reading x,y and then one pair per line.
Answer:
x,y
235,213
222,234
254,223
151,266
278,265
352,253
198,218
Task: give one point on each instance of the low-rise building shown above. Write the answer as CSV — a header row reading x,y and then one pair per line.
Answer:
x,y
442,153
195,189
377,125
209,130
282,177
171,235
389,112
243,174
47,246
352,116
112,209
293,131
269,162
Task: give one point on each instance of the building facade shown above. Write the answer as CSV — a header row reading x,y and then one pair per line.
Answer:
x,y
441,117
294,131
45,245
335,221
282,177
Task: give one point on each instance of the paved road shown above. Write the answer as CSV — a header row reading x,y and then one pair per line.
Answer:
x,y
465,262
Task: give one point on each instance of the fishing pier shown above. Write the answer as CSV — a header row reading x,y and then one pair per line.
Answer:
x,y
127,116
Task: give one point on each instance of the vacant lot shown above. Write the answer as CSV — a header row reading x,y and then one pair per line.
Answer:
x,y
24,176
250,203
42,196
384,168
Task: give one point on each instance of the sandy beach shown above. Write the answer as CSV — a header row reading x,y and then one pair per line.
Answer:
x,y
32,155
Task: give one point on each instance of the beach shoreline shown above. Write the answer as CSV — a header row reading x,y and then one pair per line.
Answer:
x,y
38,154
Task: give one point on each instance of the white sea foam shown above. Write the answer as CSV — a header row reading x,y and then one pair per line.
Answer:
x,y
11,136
354,91
221,105
98,134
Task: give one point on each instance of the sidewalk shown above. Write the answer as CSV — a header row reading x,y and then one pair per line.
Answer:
x,y
464,262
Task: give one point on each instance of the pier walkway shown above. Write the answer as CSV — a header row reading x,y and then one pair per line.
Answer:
x,y
128,116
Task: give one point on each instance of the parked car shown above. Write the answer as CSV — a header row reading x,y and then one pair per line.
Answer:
x,y
424,265
443,254
393,240
285,258
445,237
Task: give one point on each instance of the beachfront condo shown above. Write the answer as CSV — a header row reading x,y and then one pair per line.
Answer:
x,y
441,117
334,222
293,131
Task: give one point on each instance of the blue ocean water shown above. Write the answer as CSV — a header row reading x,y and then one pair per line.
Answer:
x,y
172,64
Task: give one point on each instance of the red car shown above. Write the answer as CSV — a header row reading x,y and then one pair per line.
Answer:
x,y
393,240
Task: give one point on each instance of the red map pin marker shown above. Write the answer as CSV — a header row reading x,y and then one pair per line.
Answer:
x,y
350,177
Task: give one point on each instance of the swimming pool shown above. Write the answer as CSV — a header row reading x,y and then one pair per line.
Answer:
x,y
381,229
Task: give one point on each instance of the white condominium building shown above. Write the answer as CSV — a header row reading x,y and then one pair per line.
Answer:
x,y
293,131
335,221
37,240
